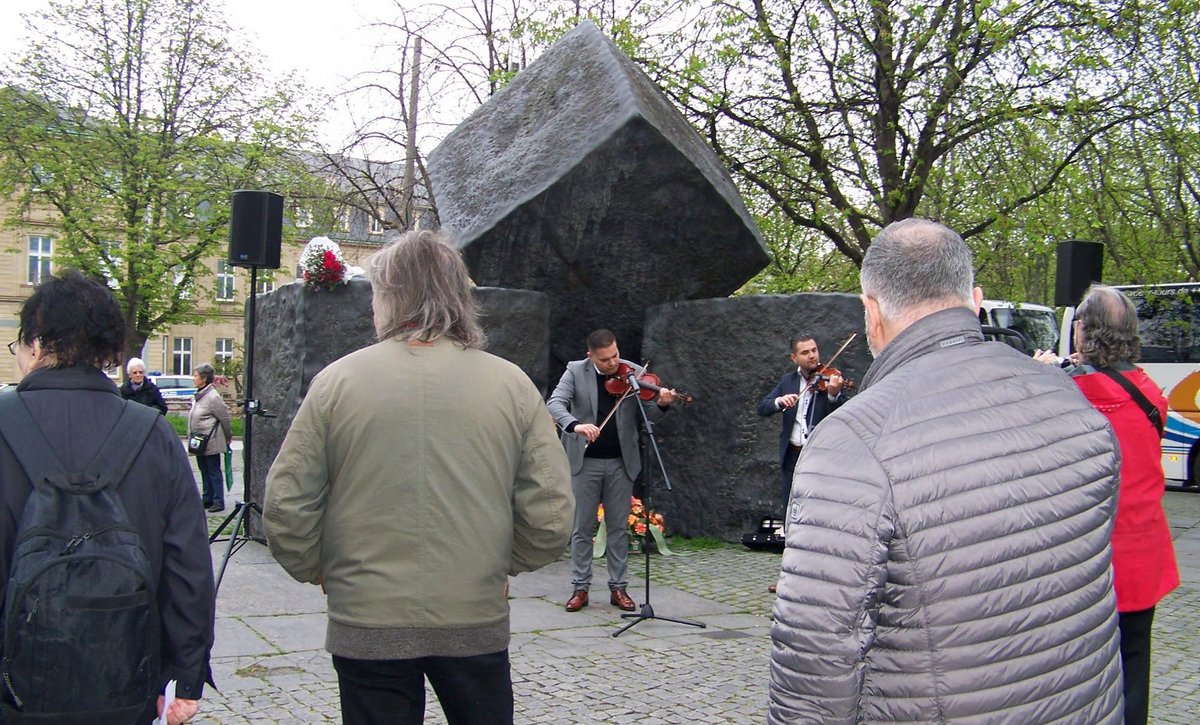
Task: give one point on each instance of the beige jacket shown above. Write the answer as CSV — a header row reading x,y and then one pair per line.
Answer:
x,y
209,413
414,480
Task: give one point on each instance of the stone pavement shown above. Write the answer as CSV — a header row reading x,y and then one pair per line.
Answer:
x,y
270,666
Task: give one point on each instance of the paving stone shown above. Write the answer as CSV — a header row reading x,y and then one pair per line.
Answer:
x,y
656,671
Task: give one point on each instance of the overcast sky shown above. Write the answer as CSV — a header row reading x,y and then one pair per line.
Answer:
x,y
325,41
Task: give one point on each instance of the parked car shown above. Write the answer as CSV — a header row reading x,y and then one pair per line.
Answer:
x,y
175,388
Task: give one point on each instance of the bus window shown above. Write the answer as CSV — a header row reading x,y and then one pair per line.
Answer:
x,y
1166,323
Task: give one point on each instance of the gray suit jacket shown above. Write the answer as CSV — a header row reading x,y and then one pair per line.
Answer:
x,y
574,399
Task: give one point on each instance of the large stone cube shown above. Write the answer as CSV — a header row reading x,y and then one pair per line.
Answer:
x,y
581,180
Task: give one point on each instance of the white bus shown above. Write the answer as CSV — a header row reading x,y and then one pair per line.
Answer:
x,y
1169,328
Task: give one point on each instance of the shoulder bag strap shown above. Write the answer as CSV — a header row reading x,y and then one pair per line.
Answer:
x,y
1138,397
124,443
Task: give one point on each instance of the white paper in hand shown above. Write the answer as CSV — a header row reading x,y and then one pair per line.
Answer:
x,y
168,700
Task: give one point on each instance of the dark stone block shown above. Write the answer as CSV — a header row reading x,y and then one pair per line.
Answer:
x,y
581,180
722,457
298,332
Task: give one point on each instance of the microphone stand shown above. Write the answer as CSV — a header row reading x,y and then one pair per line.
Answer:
x,y
647,611
239,532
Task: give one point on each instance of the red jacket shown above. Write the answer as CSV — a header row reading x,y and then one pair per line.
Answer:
x,y
1144,567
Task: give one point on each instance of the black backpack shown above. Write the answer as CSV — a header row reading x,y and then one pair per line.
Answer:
x,y
81,624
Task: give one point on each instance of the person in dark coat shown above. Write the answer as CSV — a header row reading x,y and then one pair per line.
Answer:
x,y
70,329
797,392
140,390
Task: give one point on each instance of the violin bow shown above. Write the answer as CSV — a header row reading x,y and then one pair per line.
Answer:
x,y
829,364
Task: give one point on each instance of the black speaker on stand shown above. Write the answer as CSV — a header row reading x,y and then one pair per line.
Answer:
x,y
255,239
1079,264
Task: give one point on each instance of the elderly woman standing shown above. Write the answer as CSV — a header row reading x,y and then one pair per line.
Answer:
x,y
209,417
140,390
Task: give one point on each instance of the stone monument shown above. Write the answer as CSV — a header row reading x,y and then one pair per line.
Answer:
x,y
581,180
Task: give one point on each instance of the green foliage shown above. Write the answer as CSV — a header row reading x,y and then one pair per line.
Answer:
x,y
132,121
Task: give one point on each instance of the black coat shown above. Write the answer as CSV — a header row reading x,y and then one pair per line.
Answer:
x,y
819,406
75,408
148,395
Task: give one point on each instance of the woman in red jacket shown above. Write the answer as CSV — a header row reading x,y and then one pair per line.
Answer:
x,y
1144,568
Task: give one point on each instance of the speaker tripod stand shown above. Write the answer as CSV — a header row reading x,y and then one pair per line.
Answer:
x,y
646,611
238,521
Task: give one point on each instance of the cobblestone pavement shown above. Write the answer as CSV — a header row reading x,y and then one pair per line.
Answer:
x,y
271,668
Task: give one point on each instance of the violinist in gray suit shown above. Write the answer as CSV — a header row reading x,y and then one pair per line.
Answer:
x,y
604,461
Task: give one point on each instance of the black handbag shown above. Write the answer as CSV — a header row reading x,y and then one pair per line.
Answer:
x,y
197,442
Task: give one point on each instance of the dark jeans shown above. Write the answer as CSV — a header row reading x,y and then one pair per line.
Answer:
x,y
472,690
1135,663
212,487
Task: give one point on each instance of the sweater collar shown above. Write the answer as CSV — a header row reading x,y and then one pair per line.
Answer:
x,y
945,328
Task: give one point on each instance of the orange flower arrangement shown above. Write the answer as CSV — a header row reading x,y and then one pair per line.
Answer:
x,y
639,518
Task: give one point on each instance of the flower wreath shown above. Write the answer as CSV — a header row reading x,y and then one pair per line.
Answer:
x,y
322,264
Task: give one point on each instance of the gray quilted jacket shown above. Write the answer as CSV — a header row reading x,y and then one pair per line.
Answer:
x,y
948,546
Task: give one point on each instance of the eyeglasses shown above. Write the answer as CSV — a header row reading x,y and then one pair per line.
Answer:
x,y
12,346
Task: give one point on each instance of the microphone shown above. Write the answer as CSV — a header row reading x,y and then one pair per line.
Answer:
x,y
633,381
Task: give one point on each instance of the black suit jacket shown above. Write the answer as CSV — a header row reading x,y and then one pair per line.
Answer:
x,y
819,406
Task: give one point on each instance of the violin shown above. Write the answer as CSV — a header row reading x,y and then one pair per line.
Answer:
x,y
821,375
649,385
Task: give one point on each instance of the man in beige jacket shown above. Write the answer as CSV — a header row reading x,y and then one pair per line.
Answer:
x,y
418,474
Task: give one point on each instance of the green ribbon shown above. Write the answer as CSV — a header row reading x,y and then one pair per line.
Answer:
x,y
601,541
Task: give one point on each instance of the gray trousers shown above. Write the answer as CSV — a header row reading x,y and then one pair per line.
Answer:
x,y
601,480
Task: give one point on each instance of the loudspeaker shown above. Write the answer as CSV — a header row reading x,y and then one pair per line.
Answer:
x,y
1079,265
255,229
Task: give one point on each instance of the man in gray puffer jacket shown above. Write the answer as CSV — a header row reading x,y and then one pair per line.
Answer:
x,y
948,532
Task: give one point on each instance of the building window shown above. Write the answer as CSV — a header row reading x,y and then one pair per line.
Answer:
x,y
224,350
342,223
265,285
376,223
224,281
40,249
182,357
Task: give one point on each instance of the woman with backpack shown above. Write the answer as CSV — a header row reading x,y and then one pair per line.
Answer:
x,y
105,569
209,433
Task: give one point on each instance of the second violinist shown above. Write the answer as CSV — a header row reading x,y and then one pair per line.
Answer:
x,y
799,398
604,461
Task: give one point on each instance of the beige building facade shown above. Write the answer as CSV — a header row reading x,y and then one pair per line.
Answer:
x,y
27,254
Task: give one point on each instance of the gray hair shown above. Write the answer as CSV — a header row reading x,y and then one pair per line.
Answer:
x,y
915,262
207,372
134,362
1110,327
421,291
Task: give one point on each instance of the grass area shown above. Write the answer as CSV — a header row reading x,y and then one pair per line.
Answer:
x,y
178,421
696,543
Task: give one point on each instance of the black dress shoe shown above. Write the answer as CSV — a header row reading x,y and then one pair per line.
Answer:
x,y
578,600
216,509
